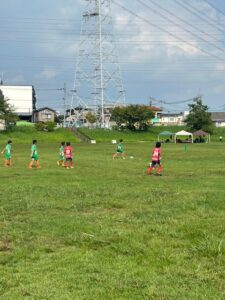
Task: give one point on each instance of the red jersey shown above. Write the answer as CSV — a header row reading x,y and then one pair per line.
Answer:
x,y
156,154
68,150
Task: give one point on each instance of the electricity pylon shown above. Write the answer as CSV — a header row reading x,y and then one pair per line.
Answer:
x,y
98,80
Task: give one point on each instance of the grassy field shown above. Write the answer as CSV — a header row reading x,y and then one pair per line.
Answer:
x,y
105,230
106,135
25,135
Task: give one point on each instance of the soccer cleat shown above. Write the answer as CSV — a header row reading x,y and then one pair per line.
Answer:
x,y
159,174
71,167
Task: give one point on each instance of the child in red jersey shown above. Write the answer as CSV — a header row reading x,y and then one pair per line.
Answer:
x,y
68,151
156,160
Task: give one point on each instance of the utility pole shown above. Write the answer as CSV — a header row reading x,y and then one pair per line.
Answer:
x,y
98,80
64,105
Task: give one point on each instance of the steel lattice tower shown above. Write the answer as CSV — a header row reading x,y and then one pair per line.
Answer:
x,y
98,81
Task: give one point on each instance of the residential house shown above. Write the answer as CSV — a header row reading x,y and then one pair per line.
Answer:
x,y
157,114
218,119
172,119
44,114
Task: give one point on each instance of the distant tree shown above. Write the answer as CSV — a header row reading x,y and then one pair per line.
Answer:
x,y
91,118
59,119
118,115
6,111
199,117
133,116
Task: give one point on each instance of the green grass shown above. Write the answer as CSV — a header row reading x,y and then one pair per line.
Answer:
x,y
106,135
25,135
105,230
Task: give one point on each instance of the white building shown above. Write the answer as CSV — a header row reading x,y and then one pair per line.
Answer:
x,y
218,119
22,98
173,119
2,124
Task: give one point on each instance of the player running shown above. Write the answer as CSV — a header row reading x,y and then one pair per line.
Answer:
x,y
8,155
119,150
34,156
156,160
68,151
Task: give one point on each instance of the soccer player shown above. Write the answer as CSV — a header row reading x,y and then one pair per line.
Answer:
x,y
119,150
156,160
60,162
34,156
68,151
8,155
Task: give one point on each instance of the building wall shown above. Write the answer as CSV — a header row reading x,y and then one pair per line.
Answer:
x,y
219,123
2,124
172,120
21,97
45,115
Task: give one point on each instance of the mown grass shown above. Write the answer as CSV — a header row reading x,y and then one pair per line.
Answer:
x,y
105,230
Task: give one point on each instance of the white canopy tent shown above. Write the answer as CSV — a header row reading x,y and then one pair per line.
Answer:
x,y
184,133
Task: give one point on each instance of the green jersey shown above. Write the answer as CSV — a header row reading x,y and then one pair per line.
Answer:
x,y
61,152
120,148
34,152
8,151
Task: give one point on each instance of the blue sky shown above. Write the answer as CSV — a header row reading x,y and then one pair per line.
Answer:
x,y
164,57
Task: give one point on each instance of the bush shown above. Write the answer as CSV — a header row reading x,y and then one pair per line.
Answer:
x,y
50,126
40,126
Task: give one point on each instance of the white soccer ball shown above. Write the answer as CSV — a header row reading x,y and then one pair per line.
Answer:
x,y
131,157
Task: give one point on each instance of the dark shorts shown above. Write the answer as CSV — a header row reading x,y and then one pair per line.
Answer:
x,y
69,159
34,157
154,163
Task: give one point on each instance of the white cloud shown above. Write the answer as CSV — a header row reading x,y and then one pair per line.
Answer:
x,y
47,74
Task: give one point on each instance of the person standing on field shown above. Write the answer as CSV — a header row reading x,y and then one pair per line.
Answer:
x,y
34,156
60,162
68,151
119,150
156,160
8,155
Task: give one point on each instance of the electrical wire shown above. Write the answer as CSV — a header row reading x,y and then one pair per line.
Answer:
x,y
193,12
185,22
213,6
204,14
168,32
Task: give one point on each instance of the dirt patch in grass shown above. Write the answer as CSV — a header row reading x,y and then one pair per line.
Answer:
x,y
5,245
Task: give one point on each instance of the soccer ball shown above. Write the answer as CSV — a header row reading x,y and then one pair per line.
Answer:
x,y
131,157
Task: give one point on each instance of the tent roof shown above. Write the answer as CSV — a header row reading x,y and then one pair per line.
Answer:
x,y
165,133
183,132
200,133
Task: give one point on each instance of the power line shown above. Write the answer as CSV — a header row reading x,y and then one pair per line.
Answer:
x,y
201,12
168,32
216,8
187,23
198,15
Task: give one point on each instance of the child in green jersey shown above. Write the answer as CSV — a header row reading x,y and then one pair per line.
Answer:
x,y
119,150
8,155
60,162
34,156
